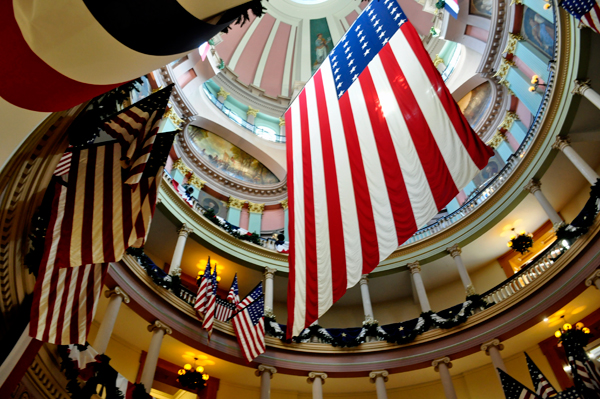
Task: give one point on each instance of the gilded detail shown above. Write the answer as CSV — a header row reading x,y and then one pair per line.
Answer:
x,y
281,121
438,60
172,115
223,93
503,70
255,207
508,120
511,46
235,203
180,166
252,111
496,140
284,203
196,181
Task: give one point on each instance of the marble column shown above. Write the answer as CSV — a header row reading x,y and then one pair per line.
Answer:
x,y
455,252
234,211
415,270
443,365
115,298
492,349
594,279
584,89
286,219
379,378
266,374
534,187
563,143
255,211
158,330
269,275
317,380
175,268
366,298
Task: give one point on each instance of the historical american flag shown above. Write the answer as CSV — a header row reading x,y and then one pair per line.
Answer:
x,y
586,11
211,303
135,128
513,389
452,7
543,388
584,371
569,393
249,326
200,305
375,147
224,310
234,296
257,292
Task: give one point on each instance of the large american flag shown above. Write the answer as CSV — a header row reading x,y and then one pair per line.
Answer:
x,y
376,146
586,11
513,389
542,386
201,296
249,328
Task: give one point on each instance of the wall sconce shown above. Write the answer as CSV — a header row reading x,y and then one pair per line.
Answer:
x,y
535,81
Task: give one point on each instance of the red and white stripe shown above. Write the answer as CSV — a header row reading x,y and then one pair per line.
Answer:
x,y
544,389
64,165
580,368
65,299
368,170
592,18
223,312
211,307
250,337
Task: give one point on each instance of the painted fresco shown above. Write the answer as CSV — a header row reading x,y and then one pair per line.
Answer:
x,y
483,8
538,31
476,103
320,42
229,158
495,165
209,202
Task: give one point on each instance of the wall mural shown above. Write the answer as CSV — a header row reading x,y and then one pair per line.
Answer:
x,y
538,31
321,43
476,103
483,8
229,158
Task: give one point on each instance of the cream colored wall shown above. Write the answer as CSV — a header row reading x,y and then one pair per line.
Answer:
x,y
574,206
487,276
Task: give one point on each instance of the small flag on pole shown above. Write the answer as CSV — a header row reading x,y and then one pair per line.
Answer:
x,y
543,388
256,293
211,304
201,297
233,296
249,328
513,389
586,11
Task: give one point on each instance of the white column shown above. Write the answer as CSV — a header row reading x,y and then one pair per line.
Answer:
x,y
492,349
366,298
584,89
269,275
184,232
442,366
415,270
317,380
266,374
282,130
116,297
455,252
534,187
158,330
379,378
564,144
593,279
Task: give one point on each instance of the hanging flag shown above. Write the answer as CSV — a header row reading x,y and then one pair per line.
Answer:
x,y
452,7
203,50
376,146
586,11
585,375
59,54
224,310
211,304
513,389
233,296
543,388
249,327
256,293
569,393
201,297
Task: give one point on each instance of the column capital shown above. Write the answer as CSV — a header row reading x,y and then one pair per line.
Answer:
x,y
195,181
223,93
184,230
414,267
262,368
269,272
533,186
513,40
581,86
493,343
252,111
314,375
364,279
442,360
509,120
438,60
378,373
117,292
284,203
235,203
561,143
255,207
281,121
454,251
180,166
591,280
159,325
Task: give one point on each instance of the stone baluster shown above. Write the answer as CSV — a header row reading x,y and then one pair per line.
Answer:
x,y
492,349
317,380
594,279
184,232
415,270
534,187
455,252
115,298
443,366
379,378
158,330
564,144
266,374
269,276
583,89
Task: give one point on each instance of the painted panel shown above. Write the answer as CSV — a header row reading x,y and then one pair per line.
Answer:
x,y
232,38
248,62
321,43
273,74
209,202
476,103
482,8
229,158
538,31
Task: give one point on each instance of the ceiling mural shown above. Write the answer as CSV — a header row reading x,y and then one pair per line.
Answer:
x,y
476,103
229,158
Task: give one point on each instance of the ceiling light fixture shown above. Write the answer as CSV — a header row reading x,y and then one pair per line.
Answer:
x,y
192,377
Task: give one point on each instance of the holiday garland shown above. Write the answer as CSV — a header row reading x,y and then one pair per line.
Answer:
x,y
230,228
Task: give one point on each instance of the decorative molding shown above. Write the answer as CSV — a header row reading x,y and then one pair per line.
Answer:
x,y
252,111
497,139
581,86
159,325
172,115
533,186
378,373
181,166
493,343
235,203
443,360
269,272
281,121
509,120
262,368
184,230
515,2
454,250
223,93
414,267
255,207
513,40
591,280
561,143
181,104
117,291
284,203
314,375
502,71
196,181
498,28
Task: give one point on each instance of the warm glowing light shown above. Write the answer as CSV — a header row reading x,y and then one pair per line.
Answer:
x,y
531,89
585,330
567,327
547,6
181,372
200,369
565,244
218,278
187,366
535,79
557,334
205,377
546,319
509,244
579,326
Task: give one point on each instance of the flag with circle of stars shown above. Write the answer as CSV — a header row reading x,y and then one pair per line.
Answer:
x,y
586,11
513,389
540,382
371,31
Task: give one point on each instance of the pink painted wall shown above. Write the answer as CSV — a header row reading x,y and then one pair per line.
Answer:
x,y
272,219
244,219
524,114
421,20
293,59
273,74
477,33
232,38
352,17
363,4
248,62
512,142
169,164
186,77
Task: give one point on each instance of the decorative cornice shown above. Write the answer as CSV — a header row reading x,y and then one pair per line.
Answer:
x,y
180,166
378,373
159,325
269,272
196,181
502,71
454,250
443,360
470,290
117,291
414,267
513,40
252,111
262,368
184,230
255,207
235,203
493,343
561,143
581,86
508,120
313,375
533,186
223,93
284,203
591,280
